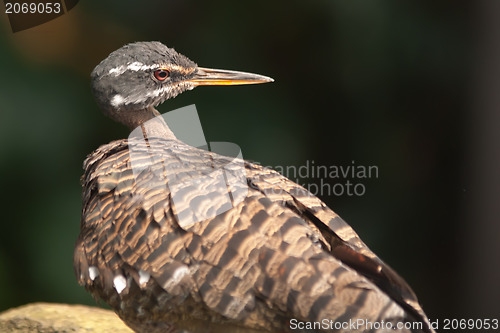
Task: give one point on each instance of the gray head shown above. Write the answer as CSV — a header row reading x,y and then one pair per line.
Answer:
x,y
132,80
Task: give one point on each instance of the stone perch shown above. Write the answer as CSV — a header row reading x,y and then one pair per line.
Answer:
x,y
60,318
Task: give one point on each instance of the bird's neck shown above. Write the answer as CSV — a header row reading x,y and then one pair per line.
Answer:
x,y
150,122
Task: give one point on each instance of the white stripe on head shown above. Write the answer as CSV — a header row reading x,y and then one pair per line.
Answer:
x,y
144,97
117,100
135,66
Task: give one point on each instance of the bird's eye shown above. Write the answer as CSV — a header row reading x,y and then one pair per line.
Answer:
x,y
161,74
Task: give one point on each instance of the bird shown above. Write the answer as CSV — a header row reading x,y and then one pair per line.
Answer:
x,y
263,256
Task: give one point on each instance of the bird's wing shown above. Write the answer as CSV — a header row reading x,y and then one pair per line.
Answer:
x,y
268,259
344,242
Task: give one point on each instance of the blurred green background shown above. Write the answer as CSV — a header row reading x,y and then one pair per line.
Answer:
x,y
410,87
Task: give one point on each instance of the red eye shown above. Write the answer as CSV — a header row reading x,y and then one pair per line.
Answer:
x,y
161,74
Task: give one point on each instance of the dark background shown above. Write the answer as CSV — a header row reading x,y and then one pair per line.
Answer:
x,y
411,87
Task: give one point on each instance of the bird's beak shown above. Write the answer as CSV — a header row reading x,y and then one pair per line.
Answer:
x,y
219,77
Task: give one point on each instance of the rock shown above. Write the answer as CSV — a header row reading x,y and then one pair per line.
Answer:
x,y
60,318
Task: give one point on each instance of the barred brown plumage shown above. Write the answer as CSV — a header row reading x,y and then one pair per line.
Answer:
x,y
278,255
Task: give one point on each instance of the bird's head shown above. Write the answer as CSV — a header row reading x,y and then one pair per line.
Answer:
x,y
132,80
